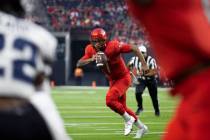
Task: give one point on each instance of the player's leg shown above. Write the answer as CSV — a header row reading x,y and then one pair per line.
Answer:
x,y
116,90
112,102
142,129
138,92
114,99
122,100
152,87
132,117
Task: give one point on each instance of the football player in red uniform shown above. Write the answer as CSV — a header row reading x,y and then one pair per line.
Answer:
x,y
117,73
179,33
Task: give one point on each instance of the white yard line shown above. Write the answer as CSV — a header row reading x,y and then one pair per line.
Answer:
x,y
89,87
105,111
69,92
86,117
108,123
116,133
74,92
104,107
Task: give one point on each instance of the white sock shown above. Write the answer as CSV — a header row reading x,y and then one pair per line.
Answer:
x,y
126,116
138,124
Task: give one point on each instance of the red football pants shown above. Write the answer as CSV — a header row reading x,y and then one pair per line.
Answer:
x,y
192,119
116,96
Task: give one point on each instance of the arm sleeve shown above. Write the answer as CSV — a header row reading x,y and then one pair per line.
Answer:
x,y
125,48
87,54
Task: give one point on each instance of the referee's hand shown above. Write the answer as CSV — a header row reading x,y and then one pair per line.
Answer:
x,y
147,73
145,68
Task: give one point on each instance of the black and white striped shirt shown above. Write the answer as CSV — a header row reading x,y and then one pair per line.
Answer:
x,y
136,63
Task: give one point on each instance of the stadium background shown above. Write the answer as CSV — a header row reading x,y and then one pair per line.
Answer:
x,y
83,108
71,22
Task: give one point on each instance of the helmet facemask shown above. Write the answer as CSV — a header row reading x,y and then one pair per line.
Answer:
x,y
98,44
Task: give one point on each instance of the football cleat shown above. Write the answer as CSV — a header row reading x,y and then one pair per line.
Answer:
x,y
141,132
157,113
129,126
138,111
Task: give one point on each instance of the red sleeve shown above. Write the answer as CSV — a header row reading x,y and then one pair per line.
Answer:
x,y
88,53
120,47
125,48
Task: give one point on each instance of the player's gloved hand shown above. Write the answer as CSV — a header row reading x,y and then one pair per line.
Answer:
x,y
93,58
148,73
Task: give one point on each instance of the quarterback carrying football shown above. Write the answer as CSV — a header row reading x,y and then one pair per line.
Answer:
x,y
107,55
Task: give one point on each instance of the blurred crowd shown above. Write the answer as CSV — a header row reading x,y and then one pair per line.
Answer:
x,y
112,15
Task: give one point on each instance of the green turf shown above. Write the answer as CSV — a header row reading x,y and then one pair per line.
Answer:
x,y
86,116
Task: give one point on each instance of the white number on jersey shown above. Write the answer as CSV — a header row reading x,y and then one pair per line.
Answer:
x,y
18,64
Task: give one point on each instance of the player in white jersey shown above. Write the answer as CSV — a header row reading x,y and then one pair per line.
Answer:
x,y
26,53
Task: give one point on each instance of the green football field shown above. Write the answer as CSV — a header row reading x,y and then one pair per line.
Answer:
x,y
86,116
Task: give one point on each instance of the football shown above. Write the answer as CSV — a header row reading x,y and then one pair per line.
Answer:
x,y
101,59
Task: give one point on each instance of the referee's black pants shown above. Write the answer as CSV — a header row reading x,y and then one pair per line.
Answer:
x,y
152,88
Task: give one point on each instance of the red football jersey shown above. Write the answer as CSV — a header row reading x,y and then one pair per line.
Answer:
x,y
113,51
179,32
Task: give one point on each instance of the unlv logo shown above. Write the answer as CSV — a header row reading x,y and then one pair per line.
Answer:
x,y
206,6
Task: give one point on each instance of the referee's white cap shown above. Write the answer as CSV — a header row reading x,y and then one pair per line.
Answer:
x,y
142,48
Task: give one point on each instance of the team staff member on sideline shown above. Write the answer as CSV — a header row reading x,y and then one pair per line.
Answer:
x,y
148,80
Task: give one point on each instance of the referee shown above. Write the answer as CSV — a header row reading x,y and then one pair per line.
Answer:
x,y
145,80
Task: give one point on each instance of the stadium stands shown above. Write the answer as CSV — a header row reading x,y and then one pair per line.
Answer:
x,y
112,15
81,16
